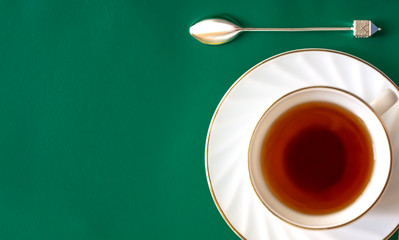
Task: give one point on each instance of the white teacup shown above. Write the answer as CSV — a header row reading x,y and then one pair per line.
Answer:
x,y
369,114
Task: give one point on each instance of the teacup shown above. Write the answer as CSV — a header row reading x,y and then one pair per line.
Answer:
x,y
320,157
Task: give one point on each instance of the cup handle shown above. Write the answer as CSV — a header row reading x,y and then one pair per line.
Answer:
x,y
384,101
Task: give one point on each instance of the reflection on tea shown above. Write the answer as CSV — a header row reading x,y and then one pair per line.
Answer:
x,y
317,158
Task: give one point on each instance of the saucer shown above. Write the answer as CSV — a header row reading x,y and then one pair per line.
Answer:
x,y
240,109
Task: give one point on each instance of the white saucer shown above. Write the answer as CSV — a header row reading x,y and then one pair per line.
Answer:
x,y
236,116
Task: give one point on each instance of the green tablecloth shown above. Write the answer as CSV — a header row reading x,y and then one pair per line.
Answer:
x,y
105,107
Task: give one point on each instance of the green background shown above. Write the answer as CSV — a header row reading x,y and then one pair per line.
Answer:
x,y
105,107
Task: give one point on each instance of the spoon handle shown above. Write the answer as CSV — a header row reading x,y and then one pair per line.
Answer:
x,y
361,29
308,29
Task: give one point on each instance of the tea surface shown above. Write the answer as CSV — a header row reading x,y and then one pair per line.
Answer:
x,y
317,158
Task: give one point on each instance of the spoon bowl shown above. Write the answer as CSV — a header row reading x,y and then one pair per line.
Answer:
x,y
215,31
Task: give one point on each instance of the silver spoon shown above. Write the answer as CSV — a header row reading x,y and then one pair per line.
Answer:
x,y
217,31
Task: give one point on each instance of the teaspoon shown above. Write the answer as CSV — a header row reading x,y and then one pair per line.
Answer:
x,y
216,31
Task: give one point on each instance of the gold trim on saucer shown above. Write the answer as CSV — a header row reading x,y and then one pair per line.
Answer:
x,y
236,82
392,233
